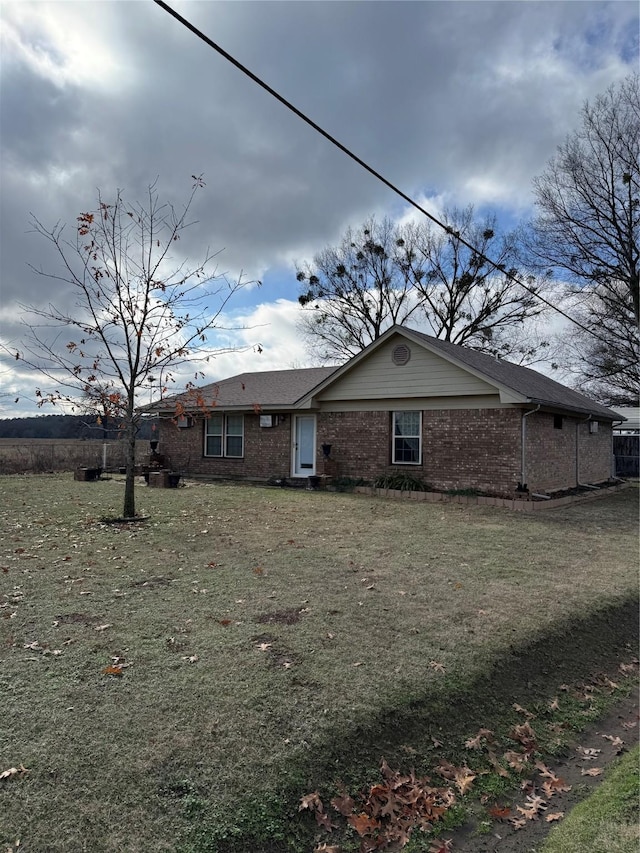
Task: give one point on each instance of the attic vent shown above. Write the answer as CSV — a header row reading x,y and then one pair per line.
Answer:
x,y
401,354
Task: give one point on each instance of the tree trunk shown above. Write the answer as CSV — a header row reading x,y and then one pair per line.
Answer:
x,y
129,510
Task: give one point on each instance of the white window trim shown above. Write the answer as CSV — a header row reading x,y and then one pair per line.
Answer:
x,y
393,437
223,437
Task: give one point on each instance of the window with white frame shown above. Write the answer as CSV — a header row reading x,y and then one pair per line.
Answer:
x,y
407,438
224,436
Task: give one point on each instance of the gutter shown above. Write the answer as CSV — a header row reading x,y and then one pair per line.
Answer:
x,y
522,485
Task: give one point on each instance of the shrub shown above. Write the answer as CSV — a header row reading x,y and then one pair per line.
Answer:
x,y
403,482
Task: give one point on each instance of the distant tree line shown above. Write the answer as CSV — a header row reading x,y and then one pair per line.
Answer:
x,y
67,426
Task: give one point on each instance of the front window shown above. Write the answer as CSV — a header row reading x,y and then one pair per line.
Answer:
x,y
407,441
224,436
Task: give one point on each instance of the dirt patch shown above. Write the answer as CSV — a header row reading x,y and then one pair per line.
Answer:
x,y
596,747
280,617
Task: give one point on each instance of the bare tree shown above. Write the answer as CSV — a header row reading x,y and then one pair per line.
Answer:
x,y
386,273
356,290
138,315
587,231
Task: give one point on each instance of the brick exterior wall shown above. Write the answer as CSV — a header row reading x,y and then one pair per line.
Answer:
x,y
469,448
551,453
267,451
466,448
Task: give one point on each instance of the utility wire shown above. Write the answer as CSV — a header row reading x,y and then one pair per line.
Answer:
x,y
515,279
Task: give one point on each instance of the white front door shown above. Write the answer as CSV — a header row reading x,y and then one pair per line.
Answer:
x,y
304,446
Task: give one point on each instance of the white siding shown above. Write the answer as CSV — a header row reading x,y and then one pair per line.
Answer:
x,y
425,375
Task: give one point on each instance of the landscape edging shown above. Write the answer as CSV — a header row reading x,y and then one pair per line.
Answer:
x,y
517,504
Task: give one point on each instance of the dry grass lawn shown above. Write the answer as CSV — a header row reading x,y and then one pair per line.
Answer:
x,y
253,627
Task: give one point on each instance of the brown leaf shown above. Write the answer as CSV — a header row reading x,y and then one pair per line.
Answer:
x,y
463,779
434,664
496,764
499,812
439,846
225,622
323,820
592,771
113,670
533,805
343,804
588,754
311,801
554,705
520,710
555,786
554,816
363,824
616,742
517,760
326,848
518,822
525,735
475,742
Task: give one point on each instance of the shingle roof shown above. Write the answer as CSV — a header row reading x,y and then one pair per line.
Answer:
x,y
284,388
529,383
266,389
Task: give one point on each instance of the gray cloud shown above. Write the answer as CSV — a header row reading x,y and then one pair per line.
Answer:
x,y
463,100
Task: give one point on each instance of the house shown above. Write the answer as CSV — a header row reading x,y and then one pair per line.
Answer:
x,y
451,416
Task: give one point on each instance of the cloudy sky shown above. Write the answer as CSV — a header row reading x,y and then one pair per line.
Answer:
x,y
455,102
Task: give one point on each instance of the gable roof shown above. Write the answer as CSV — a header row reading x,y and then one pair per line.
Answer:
x,y
521,384
267,389
278,389
536,387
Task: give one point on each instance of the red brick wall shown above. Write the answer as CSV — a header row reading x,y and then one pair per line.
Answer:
x,y
468,448
267,450
551,453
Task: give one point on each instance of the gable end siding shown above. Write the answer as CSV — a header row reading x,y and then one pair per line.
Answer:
x,y
425,375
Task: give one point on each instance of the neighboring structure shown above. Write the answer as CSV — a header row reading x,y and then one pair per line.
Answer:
x,y
454,417
626,443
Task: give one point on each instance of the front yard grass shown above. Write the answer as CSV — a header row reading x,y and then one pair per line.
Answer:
x,y
608,819
265,642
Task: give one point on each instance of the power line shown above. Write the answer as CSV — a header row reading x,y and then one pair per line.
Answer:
x,y
369,168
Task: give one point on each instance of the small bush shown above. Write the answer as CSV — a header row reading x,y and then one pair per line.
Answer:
x,y
402,481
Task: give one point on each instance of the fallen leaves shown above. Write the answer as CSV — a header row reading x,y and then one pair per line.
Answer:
x,y
113,669
554,816
592,771
385,815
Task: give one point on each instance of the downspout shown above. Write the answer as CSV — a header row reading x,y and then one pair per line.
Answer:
x,y
578,483
522,485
